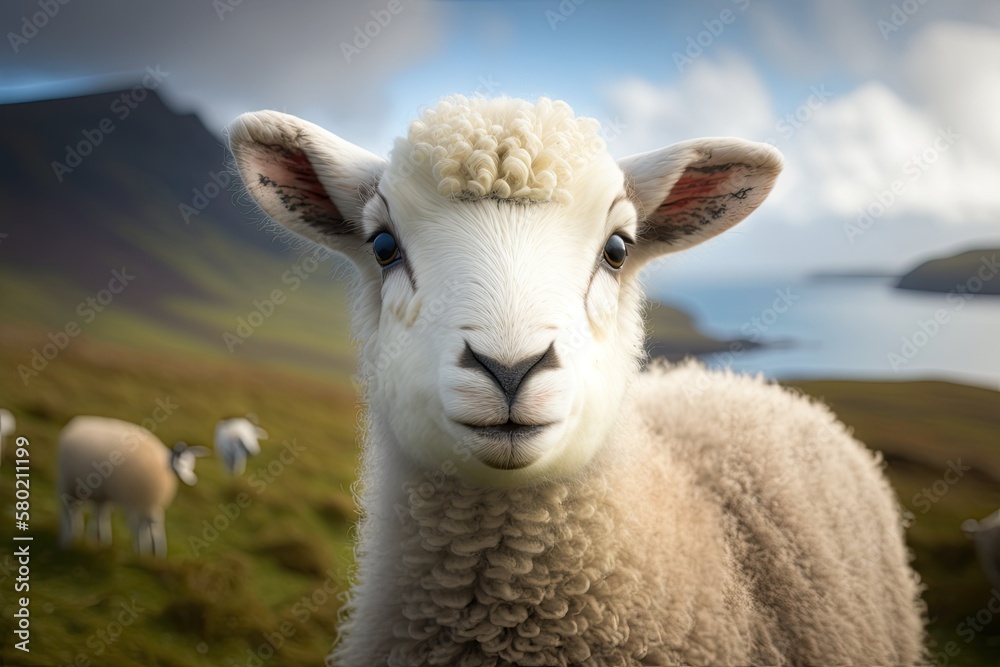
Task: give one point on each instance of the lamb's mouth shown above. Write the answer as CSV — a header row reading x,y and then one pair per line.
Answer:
x,y
506,446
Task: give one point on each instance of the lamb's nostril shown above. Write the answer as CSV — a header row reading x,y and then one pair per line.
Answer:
x,y
509,377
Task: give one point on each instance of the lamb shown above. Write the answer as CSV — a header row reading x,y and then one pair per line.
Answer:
x,y
235,440
105,461
7,427
986,535
528,494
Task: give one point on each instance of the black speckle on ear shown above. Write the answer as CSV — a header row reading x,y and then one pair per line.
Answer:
x,y
714,212
294,185
714,169
686,222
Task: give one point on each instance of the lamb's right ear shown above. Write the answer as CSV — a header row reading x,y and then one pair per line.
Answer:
x,y
305,178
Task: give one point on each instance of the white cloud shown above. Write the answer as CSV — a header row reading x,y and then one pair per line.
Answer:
x,y
701,103
926,128
820,38
861,143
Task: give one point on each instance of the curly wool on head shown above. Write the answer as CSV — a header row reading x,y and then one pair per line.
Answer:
x,y
501,148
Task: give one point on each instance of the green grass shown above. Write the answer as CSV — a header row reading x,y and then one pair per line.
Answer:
x,y
217,601
921,427
209,600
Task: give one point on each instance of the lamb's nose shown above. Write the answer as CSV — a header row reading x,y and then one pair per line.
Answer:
x,y
509,377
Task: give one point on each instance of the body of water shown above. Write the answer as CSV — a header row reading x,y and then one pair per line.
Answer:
x,y
848,328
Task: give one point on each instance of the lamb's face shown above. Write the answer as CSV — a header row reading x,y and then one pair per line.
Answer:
x,y
507,332
498,306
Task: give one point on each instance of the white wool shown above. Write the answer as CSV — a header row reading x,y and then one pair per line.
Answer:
x,y
657,518
503,148
103,461
728,522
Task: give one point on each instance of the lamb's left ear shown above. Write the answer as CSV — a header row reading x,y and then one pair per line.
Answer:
x,y
689,192
306,178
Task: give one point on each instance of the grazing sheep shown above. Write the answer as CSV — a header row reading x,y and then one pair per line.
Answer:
x,y
7,427
105,461
235,441
528,496
986,535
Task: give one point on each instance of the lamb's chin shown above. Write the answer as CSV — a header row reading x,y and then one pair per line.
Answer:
x,y
508,446
511,456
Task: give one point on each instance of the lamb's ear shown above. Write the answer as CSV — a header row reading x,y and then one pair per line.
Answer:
x,y
305,178
687,193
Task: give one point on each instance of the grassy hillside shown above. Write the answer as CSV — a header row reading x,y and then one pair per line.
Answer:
x,y
272,537
256,573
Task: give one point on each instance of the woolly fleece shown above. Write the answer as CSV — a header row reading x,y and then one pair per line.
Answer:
x,y
504,148
732,522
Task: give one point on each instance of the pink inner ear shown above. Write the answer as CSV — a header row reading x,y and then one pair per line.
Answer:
x,y
291,179
692,187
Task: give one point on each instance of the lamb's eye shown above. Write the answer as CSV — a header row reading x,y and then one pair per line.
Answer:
x,y
615,251
385,249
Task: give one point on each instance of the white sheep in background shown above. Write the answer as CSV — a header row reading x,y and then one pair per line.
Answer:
x,y
235,441
528,495
7,427
108,461
986,535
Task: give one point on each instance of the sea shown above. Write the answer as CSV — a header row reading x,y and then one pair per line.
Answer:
x,y
859,327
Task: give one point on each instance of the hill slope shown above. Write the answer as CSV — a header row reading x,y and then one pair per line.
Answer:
x,y
152,201
973,271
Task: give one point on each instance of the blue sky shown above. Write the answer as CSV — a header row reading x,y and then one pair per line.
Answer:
x,y
873,84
